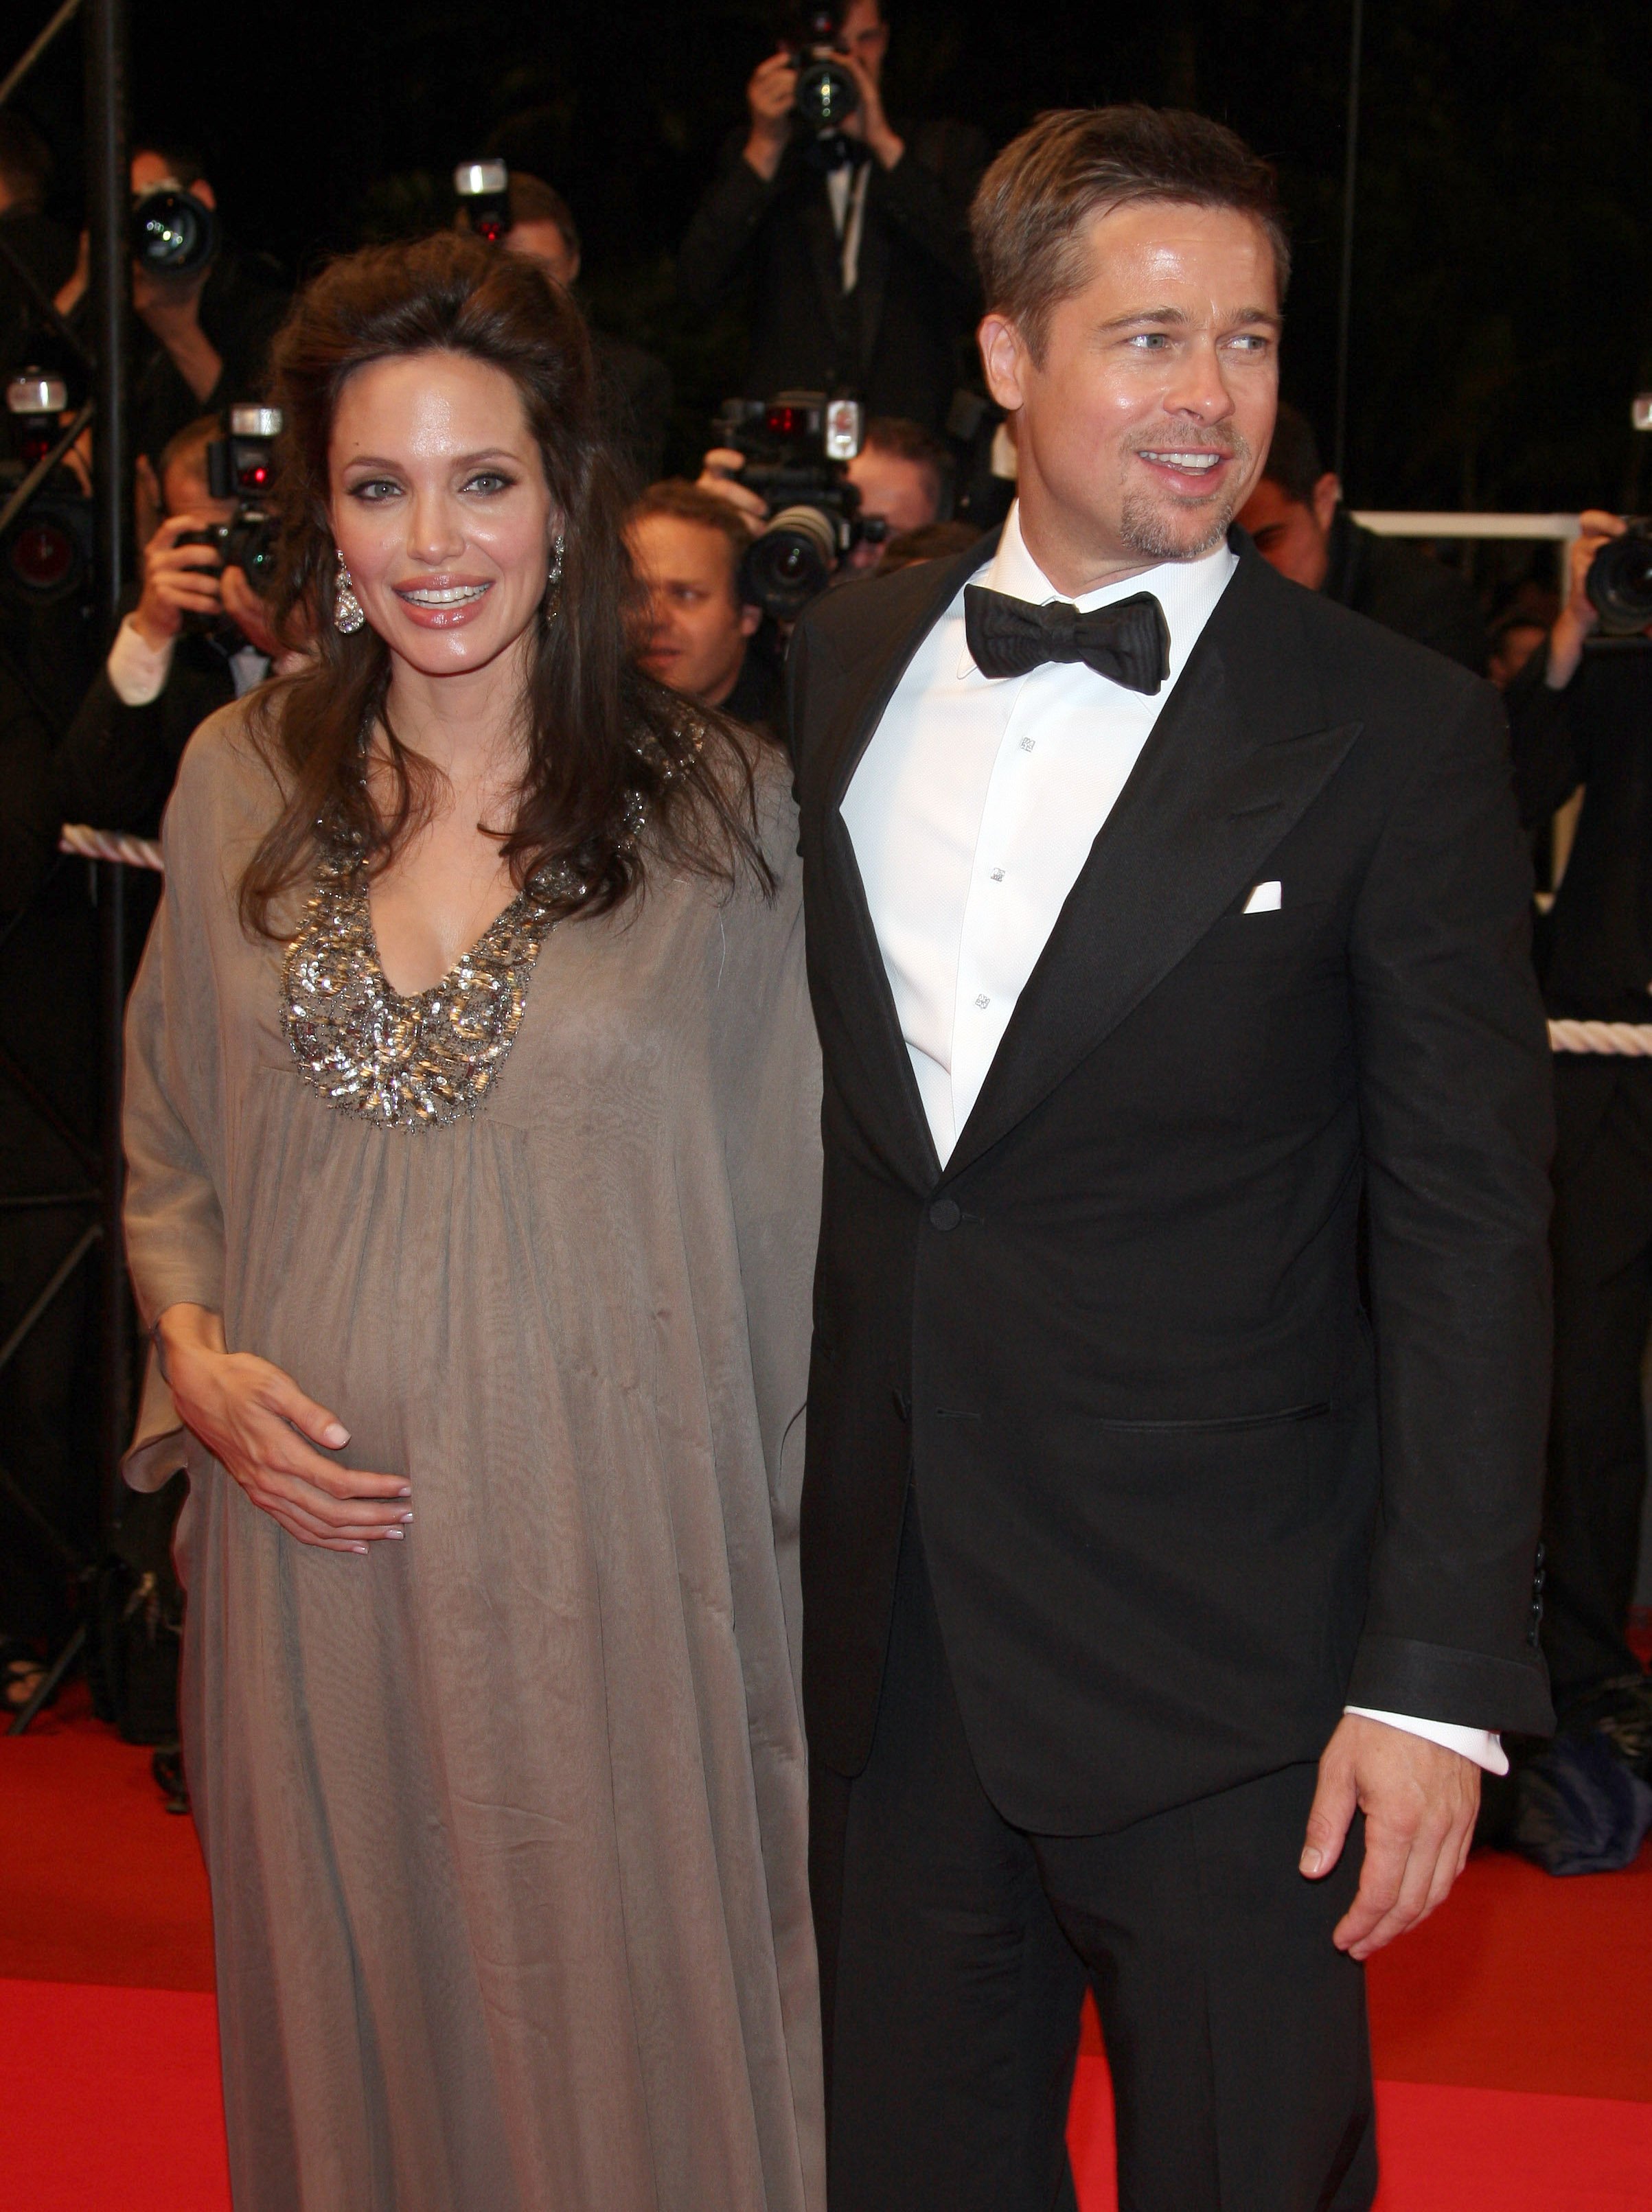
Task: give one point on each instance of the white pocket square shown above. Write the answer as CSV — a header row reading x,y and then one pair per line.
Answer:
x,y
1264,899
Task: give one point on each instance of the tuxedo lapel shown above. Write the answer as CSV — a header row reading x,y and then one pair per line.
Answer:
x,y
1236,758
880,1073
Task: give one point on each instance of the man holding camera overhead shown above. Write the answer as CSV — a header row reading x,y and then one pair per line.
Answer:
x,y
851,237
1580,716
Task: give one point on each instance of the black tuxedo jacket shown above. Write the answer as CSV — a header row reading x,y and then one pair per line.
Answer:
x,y
893,340
1184,1490
1597,963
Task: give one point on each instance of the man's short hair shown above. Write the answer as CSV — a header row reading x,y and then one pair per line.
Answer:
x,y
1293,459
934,541
1029,214
25,161
185,163
187,448
686,503
904,439
530,199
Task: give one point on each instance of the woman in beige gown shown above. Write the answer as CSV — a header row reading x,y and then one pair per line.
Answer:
x,y
502,1805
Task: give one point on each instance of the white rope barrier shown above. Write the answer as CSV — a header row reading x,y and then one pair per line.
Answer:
x,y
1631,1040
109,845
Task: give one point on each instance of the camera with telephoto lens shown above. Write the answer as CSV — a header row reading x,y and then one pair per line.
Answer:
x,y
48,551
239,466
1620,580
797,447
827,93
483,189
173,233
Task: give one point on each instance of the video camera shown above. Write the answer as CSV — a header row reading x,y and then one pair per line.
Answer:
x,y
240,466
797,447
172,233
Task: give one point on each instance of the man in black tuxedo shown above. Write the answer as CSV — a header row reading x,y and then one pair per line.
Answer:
x,y
853,247
1163,1594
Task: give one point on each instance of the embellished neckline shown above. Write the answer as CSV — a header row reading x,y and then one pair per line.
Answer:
x,y
422,1059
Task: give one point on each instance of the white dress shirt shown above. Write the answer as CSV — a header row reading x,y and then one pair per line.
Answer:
x,y
137,671
972,813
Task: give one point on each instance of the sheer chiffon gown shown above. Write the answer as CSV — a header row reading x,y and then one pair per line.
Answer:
x,y
505,1822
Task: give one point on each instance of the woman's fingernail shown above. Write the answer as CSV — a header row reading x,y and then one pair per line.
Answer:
x,y
405,1491
407,1516
397,1533
336,1435
359,1547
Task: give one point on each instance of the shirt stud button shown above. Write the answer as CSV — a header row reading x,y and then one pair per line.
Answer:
x,y
998,877
945,1213
1027,744
983,1002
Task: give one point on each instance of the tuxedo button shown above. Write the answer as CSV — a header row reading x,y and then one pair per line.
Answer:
x,y
944,1213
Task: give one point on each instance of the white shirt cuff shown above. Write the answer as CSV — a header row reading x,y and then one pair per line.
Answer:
x,y
1478,1744
137,671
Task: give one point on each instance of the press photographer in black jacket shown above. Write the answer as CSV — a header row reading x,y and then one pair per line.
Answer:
x,y
1580,712
192,640
853,250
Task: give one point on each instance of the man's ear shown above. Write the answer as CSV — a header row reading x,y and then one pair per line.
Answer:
x,y
1004,359
751,621
1327,499
204,194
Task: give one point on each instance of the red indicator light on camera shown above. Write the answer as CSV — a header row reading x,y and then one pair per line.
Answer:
x,y
786,422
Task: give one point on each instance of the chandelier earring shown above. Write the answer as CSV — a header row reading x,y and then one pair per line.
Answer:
x,y
556,572
346,607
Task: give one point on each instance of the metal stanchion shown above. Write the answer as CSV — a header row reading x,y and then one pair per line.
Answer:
x,y
104,32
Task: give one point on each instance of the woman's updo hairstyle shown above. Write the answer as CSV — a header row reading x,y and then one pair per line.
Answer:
x,y
607,747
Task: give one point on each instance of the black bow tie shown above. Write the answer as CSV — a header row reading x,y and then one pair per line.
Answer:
x,y
1128,642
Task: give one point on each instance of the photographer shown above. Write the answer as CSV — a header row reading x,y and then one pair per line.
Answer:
x,y
633,386
46,249
192,639
1580,712
1300,524
902,473
851,244
703,639
209,327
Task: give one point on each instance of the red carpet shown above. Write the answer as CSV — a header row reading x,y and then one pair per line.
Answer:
x,y
1512,2034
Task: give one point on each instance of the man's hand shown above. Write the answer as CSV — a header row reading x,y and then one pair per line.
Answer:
x,y
172,310
869,121
177,580
1419,1801
249,613
720,472
1578,619
770,96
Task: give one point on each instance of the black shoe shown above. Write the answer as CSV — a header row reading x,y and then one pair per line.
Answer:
x,y
167,1768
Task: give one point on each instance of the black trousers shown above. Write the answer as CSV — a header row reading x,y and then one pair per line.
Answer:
x,y
1603,1307
955,1950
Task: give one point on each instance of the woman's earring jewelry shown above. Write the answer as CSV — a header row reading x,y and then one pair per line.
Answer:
x,y
346,607
556,561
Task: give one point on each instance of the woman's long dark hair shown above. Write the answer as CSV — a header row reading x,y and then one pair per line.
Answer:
x,y
606,746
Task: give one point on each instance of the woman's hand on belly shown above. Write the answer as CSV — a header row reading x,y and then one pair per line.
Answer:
x,y
256,1422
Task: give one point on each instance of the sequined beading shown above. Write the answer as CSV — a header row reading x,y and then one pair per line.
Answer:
x,y
404,1063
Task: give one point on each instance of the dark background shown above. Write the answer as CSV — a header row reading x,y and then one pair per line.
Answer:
x,y
1501,316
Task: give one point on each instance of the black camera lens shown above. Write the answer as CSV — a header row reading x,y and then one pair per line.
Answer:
x,y
791,564
1619,581
172,233
827,93
48,555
